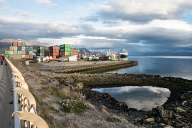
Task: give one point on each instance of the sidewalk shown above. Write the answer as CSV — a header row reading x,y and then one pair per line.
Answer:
x,y
6,106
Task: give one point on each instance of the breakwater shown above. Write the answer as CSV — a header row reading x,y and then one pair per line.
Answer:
x,y
91,68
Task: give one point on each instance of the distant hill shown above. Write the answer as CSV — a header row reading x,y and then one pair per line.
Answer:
x,y
4,43
84,51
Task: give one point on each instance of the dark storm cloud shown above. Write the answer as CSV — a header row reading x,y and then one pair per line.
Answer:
x,y
147,39
136,18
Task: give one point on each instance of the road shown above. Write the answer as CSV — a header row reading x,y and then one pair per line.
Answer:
x,y
6,96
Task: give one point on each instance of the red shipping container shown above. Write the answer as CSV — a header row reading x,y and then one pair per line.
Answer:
x,y
75,51
54,48
54,51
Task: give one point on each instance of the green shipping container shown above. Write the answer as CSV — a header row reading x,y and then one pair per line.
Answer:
x,y
8,52
65,50
66,46
40,51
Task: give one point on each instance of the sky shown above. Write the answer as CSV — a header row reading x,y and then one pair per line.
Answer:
x,y
141,26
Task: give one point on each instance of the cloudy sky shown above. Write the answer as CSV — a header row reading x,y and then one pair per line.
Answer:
x,y
141,26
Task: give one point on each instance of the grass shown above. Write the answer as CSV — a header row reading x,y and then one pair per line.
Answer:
x,y
113,119
73,106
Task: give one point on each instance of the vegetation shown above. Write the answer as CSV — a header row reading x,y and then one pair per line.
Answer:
x,y
73,106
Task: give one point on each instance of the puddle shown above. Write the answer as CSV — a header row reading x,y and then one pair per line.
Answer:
x,y
140,98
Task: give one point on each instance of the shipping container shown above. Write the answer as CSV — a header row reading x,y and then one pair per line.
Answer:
x,y
19,48
18,43
13,48
21,52
65,54
40,51
8,52
54,48
28,48
54,51
65,48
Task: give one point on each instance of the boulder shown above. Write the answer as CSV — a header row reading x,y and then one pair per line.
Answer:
x,y
149,120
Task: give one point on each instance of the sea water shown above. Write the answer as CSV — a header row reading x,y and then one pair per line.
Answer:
x,y
174,66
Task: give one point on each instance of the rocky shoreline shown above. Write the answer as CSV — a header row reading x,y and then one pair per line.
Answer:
x,y
175,113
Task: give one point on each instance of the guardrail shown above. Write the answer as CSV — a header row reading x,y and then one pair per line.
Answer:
x,y
25,114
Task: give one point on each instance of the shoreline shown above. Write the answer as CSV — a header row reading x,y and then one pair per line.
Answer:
x,y
165,114
159,117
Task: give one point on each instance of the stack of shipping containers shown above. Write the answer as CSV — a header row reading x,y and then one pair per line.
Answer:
x,y
54,51
40,51
27,52
19,50
15,51
75,52
65,50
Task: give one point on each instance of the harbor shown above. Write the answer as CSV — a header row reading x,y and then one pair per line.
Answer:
x,y
75,82
95,64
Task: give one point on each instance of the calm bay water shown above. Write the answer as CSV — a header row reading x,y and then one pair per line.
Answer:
x,y
175,66
146,98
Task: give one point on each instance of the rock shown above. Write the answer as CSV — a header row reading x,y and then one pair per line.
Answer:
x,y
162,124
149,120
167,126
91,106
180,110
104,109
184,103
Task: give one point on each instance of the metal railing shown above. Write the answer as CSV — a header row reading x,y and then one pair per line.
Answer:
x,y
24,102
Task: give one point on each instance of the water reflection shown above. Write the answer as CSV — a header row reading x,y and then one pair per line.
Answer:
x,y
141,98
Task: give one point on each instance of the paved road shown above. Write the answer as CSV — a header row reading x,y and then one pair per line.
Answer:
x,y
6,105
